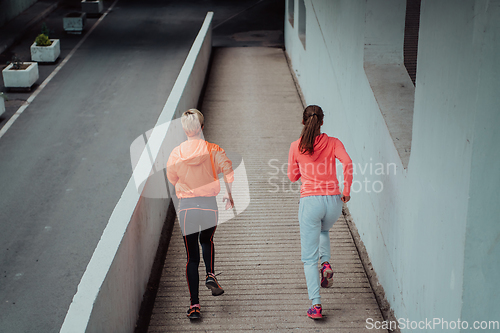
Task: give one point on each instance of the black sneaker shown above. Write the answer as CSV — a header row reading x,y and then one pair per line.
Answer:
x,y
194,312
212,284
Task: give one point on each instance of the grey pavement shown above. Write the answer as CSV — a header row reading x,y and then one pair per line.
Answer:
x,y
252,108
65,161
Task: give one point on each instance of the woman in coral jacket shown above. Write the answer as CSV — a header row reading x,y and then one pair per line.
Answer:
x,y
192,168
312,158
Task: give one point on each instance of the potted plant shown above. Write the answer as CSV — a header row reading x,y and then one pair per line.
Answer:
x,y
92,6
3,98
45,49
74,22
20,74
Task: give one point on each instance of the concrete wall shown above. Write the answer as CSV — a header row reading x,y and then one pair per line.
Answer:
x,y
481,294
11,8
432,232
111,290
384,31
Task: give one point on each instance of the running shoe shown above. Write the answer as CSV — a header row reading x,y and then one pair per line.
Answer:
x,y
315,312
212,284
194,312
326,275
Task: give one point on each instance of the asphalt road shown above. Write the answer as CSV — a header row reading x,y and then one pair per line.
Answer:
x,y
65,162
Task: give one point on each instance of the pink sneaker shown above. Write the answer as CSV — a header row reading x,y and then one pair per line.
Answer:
x,y
194,312
315,312
326,275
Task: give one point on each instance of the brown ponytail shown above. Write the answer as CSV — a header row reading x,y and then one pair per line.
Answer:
x,y
312,118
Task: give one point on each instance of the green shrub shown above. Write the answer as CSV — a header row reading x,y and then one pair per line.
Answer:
x,y
42,40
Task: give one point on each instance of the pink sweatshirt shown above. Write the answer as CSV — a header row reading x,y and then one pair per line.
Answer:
x,y
193,166
318,171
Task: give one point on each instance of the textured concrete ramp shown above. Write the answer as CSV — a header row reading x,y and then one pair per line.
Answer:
x,y
252,108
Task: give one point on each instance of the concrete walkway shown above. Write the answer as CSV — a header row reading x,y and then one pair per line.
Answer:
x,y
252,108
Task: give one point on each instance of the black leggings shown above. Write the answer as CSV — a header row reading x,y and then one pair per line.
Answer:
x,y
202,212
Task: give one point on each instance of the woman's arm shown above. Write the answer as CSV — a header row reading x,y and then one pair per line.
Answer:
x,y
171,169
346,161
293,171
228,197
225,165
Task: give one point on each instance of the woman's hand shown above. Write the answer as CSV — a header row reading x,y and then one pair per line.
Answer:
x,y
345,198
229,200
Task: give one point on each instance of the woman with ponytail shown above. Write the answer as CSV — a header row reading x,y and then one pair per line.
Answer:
x,y
312,158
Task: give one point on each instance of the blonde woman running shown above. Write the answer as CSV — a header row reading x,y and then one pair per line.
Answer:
x,y
192,168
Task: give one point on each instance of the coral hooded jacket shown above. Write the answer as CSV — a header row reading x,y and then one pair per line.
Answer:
x,y
318,171
193,166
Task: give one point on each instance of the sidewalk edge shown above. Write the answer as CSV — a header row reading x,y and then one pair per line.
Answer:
x,y
11,41
377,288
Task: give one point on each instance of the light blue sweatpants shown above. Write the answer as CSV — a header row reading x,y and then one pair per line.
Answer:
x,y
317,214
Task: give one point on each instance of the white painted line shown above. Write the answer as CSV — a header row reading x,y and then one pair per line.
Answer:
x,y
54,72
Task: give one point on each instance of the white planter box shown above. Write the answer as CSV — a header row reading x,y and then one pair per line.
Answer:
x,y
2,106
92,7
46,53
20,78
74,22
